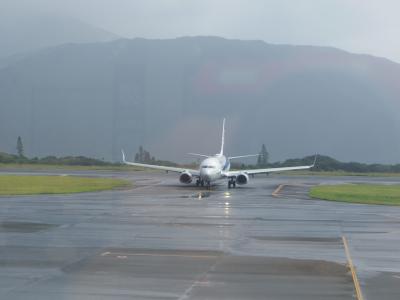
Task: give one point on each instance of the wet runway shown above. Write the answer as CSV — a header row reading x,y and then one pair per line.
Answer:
x,y
163,240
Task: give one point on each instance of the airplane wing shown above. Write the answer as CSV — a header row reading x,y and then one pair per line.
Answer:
x,y
156,167
269,170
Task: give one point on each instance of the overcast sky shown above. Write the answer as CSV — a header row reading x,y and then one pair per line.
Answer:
x,y
361,26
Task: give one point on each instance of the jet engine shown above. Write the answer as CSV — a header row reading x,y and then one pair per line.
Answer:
x,y
242,178
186,177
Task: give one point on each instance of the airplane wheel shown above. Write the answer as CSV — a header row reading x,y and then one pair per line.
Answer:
x,y
197,182
229,185
234,184
202,183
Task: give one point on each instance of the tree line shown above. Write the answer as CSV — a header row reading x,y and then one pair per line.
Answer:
x,y
324,163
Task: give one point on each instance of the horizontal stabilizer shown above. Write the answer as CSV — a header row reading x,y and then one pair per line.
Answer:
x,y
197,154
242,156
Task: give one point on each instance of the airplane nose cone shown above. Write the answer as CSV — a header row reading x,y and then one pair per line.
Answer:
x,y
205,174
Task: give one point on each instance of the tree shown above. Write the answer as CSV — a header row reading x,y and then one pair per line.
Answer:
x,y
139,156
262,160
20,147
144,156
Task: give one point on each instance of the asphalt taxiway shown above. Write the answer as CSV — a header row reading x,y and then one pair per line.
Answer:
x,y
163,240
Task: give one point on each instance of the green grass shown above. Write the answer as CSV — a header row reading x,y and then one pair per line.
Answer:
x,y
31,185
359,193
43,167
340,173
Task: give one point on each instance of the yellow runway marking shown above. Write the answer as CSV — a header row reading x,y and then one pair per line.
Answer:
x,y
352,269
293,193
124,255
278,189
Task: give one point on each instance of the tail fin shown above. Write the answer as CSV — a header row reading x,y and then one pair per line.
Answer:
x,y
223,137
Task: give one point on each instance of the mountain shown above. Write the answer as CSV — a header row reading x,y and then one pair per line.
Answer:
x,y
171,95
36,32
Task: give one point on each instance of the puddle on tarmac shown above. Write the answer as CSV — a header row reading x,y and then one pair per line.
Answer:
x,y
200,195
24,227
299,239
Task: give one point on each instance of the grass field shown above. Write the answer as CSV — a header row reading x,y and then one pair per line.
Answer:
x,y
31,185
340,173
44,167
359,193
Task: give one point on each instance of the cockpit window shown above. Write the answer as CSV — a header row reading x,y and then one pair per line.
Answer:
x,y
208,167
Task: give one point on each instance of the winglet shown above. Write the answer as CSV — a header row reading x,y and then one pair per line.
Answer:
x,y
123,156
223,137
315,161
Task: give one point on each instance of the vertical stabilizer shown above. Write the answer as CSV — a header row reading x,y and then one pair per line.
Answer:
x,y
223,137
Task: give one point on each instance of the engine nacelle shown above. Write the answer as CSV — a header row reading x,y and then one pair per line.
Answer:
x,y
242,179
186,177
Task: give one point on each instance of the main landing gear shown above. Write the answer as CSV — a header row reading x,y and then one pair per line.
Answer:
x,y
231,183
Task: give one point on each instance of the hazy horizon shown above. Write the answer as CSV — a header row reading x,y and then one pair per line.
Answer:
x,y
364,27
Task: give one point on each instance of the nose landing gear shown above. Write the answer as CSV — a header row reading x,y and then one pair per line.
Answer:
x,y
231,183
203,183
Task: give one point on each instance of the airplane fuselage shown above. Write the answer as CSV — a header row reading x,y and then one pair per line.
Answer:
x,y
211,168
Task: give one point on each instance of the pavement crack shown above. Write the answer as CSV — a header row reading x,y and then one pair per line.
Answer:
x,y
200,281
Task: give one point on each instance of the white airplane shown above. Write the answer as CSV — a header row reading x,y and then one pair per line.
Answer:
x,y
216,167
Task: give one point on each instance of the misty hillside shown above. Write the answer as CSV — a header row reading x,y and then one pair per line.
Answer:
x,y
171,96
20,36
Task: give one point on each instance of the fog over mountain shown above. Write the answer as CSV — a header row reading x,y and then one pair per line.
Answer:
x,y
36,31
171,95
